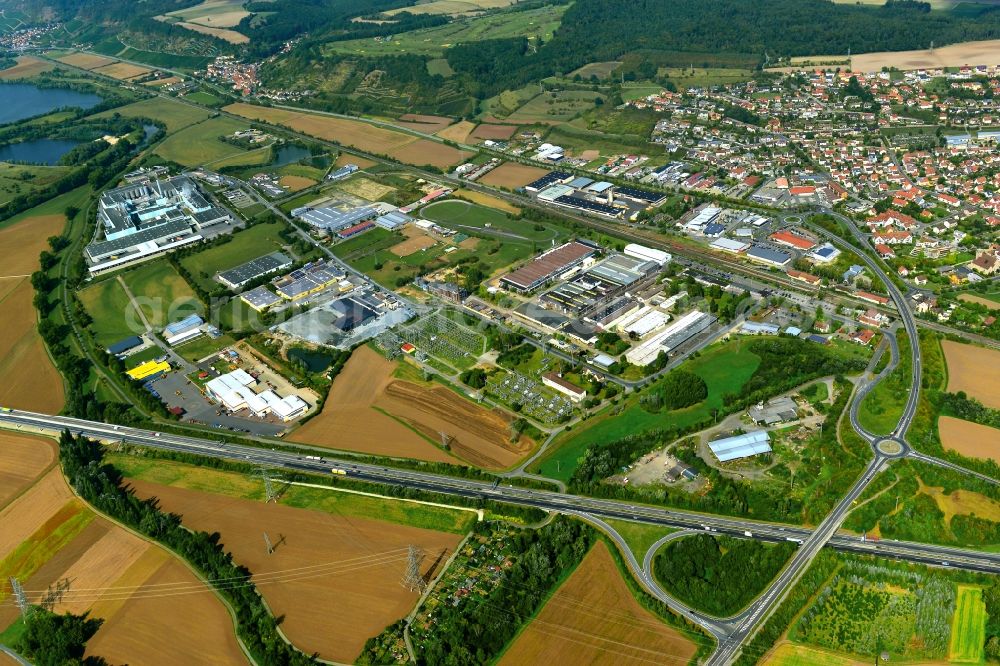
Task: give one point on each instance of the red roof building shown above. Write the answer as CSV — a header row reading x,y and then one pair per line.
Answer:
x,y
793,240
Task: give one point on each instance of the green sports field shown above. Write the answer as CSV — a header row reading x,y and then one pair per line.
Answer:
x,y
968,628
161,293
256,241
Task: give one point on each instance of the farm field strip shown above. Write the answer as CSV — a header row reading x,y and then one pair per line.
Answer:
x,y
968,630
970,439
975,370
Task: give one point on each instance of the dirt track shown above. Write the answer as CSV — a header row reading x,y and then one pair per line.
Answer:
x,y
335,579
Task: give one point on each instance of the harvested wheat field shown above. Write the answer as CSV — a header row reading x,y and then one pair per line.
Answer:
x,y
594,619
488,200
296,183
159,83
423,152
86,60
412,245
955,55
972,298
459,132
348,132
360,162
21,243
335,579
23,458
970,439
349,422
494,132
56,543
224,34
365,188
122,70
28,380
975,370
26,67
512,175
476,435
421,123
173,618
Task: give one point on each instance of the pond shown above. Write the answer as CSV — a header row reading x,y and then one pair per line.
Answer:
x,y
37,151
315,361
289,154
23,100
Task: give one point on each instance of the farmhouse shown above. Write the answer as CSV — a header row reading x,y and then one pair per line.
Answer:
x,y
144,219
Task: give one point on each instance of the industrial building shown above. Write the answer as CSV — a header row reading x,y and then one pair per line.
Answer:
x,y
237,278
550,178
394,220
122,347
353,312
342,172
647,321
235,391
260,298
759,328
330,220
548,266
729,245
824,254
789,239
779,410
148,370
308,280
670,338
144,219
570,390
181,331
766,255
647,254
741,446
600,283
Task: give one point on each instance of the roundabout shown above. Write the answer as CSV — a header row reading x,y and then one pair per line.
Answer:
x,y
890,448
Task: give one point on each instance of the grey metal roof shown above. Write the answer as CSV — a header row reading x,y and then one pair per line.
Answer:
x,y
741,446
332,219
260,297
159,232
767,254
255,268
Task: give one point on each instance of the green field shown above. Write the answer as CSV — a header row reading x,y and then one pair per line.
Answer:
x,y
174,115
162,294
550,106
491,223
256,241
40,547
112,313
201,144
725,367
533,23
203,346
968,629
18,179
882,408
639,536
203,98
347,505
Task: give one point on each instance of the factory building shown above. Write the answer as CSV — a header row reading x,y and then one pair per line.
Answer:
x,y
766,255
741,446
670,338
181,331
647,254
235,391
237,278
548,266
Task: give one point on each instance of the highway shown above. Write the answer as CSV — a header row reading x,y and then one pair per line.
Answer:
x,y
543,499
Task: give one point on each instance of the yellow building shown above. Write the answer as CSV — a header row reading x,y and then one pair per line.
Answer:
x,y
148,369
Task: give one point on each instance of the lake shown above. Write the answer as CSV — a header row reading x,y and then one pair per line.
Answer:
x,y
289,154
315,361
23,100
38,151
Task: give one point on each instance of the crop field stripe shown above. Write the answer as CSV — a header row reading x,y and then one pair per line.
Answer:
x,y
968,629
47,540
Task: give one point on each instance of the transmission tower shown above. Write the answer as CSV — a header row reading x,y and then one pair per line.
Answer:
x,y
270,494
412,580
444,439
268,544
20,598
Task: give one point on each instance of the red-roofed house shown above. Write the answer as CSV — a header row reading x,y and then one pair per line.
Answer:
x,y
802,276
872,298
884,251
862,337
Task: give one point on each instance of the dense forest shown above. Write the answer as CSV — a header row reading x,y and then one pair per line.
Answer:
x,y
719,575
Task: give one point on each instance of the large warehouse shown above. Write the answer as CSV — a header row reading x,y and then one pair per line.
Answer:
x,y
235,391
741,446
670,338
237,278
548,266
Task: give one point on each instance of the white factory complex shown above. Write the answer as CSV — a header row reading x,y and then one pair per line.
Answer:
x,y
235,390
